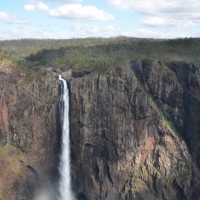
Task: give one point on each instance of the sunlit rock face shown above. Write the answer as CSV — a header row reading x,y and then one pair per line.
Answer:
x,y
29,135
134,132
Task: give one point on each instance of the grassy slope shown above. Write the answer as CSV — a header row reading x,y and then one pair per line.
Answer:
x,y
10,169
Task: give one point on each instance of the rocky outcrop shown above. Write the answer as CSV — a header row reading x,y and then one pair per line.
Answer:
x,y
29,135
133,136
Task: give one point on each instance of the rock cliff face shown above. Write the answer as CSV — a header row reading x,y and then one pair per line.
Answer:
x,y
28,132
135,133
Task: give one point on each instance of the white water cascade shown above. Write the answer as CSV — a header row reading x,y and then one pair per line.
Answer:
x,y
64,168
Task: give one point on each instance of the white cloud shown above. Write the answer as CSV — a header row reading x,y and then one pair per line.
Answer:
x,y
80,30
21,33
67,1
164,22
156,6
165,13
36,6
157,21
11,19
85,30
79,12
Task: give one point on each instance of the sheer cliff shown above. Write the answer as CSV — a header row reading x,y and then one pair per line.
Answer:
x,y
28,132
134,132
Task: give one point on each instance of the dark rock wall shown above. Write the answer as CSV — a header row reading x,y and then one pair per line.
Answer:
x,y
133,136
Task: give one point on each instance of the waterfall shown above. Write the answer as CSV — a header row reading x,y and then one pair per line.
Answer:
x,y
64,168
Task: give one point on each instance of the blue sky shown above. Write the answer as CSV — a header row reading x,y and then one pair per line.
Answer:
x,y
101,18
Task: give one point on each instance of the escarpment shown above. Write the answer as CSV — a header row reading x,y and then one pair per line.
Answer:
x,y
135,132
28,132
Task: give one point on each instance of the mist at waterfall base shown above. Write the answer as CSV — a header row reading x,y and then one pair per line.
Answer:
x,y
64,168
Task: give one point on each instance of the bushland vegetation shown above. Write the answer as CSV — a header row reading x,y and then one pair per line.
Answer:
x,y
98,54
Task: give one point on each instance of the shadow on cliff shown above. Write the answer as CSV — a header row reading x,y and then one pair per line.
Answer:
x,y
55,173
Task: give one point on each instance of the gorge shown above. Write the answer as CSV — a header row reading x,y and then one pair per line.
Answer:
x,y
134,130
